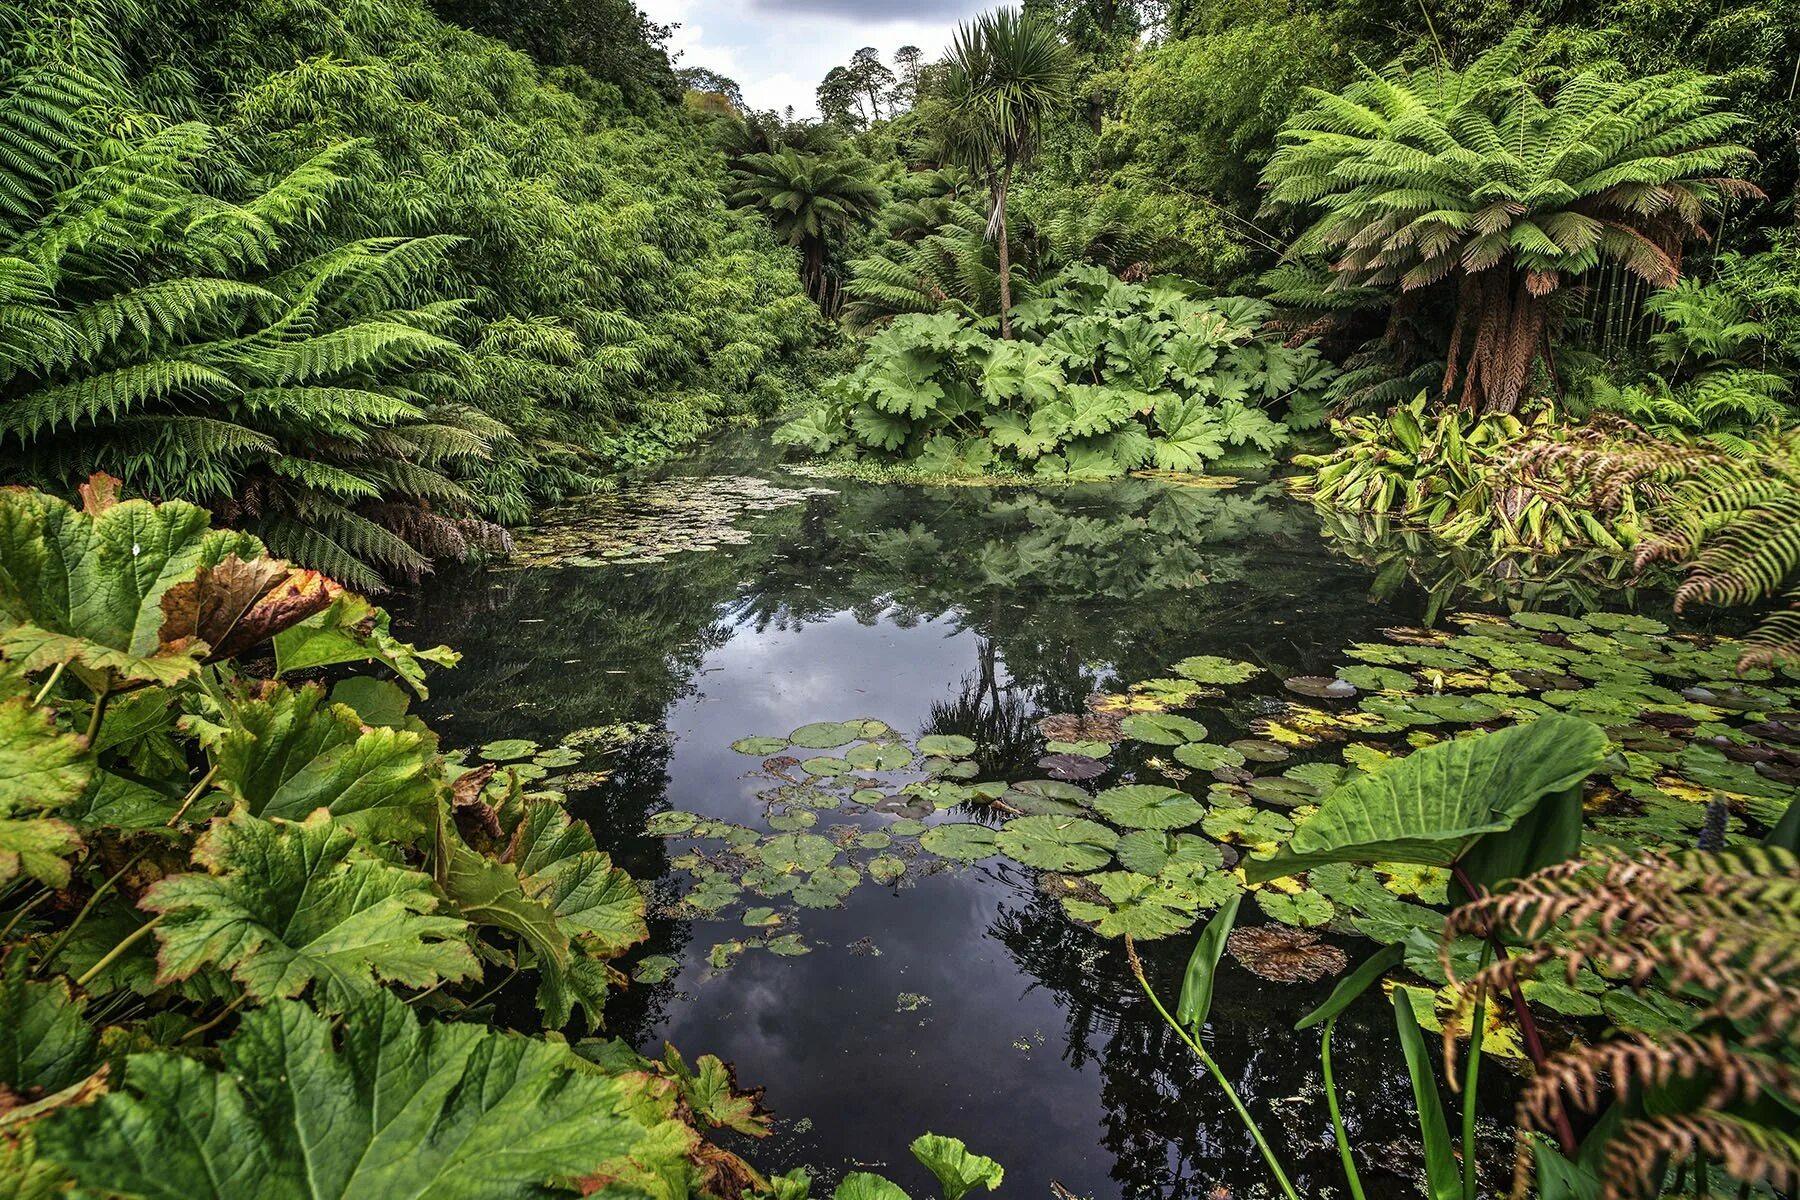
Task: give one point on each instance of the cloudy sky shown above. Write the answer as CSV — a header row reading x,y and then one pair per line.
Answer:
x,y
778,50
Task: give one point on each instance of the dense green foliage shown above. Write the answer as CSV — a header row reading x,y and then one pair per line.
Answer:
x,y
358,277
1106,377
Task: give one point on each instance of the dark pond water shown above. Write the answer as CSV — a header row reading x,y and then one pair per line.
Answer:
x,y
948,610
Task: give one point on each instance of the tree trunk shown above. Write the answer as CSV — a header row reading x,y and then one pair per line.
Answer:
x,y
815,269
1503,325
1006,333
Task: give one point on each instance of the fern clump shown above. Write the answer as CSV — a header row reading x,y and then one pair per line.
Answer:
x,y
1105,377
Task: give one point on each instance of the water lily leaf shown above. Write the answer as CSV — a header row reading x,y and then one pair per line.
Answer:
x,y
760,917
1075,727
1262,750
508,749
654,968
885,868
1204,756
787,945
963,842
673,823
1303,909
957,1170
824,735
1057,843
793,822
946,745
1320,687
826,766
1153,852
879,756
714,893
807,852
379,1106
1210,669
1148,806
1084,749
951,768
1071,766
826,887
1434,805
760,746
285,906
1246,825
907,827
1377,679
1285,955
1054,789
1163,729
1140,906
1282,792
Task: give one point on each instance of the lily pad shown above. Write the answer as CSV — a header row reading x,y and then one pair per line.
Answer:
x,y
1140,906
1084,749
760,747
797,852
879,756
1247,825
946,745
1057,843
1163,729
1262,750
963,842
885,868
907,827
1285,955
826,766
1148,806
1071,766
673,823
1208,668
1320,687
1303,909
1204,756
654,968
824,735
508,749
827,887
1153,852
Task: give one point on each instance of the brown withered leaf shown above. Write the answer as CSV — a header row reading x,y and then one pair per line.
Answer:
x,y
99,493
1285,954
472,812
239,604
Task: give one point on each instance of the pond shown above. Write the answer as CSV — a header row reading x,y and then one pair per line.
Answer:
x,y
955,999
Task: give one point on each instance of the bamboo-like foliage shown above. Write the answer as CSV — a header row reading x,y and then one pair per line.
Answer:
x,y
1472,179
1721,931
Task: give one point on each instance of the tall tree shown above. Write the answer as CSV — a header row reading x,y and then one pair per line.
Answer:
x,y
1007,73
1472,178
873,78
910,64
809,199
838,96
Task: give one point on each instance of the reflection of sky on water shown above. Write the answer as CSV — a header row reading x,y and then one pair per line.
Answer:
x,y
922,607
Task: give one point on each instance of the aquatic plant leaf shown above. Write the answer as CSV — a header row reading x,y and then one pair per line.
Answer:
x,y
957,1170
760,746
1162,729
1148,806
654,968
508,749
1351,988
951,768
826,766
1071,766
672,823
907,827
1204,756
1377,679
1138,906
1198,980
1285,955
885,868
1154,852
793,822
787,945
1057,843
1246,825
1211,669
807,852
1262,750
879,756
963,842
1320,687
1083,749
826,887
946,745
824,735
860,1185
1433,805
1302,909
284,906
381,1106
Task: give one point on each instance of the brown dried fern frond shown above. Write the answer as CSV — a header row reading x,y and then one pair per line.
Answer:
x,y
1610,458
1587,1077
1746,1151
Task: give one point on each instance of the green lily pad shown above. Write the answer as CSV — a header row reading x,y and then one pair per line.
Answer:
x,y
1208,668
946,745
761,917
874,839
761,746
1152,852
824,735
1143,907
654,968
1204,756
1083,749
1162,729
714,893
885,868
1148,806
771,882
826,766
557,756
508,749
1262,750
963,842
907,827
951,768
826,887
1246,825
797,852
879,756
1057,843
787,945
673,823
1303,909
794,820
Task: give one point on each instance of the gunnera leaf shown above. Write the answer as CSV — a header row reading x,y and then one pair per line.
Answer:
x,y
1057,843
957,1170
380,1106
286,905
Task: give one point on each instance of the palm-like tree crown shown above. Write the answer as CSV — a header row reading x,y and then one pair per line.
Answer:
x,y
809,199
1434,174
1007,73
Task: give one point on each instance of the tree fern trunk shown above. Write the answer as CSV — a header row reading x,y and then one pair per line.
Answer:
x,y
1006,332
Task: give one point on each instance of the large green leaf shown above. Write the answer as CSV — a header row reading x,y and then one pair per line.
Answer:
x,y
294,752
287,905
1433,805
45,1042
40,769
1203,967
385,1109
353,630
593,899
957,1170
85,587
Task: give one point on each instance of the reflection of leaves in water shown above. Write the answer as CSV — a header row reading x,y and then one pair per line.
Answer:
x,y
645,521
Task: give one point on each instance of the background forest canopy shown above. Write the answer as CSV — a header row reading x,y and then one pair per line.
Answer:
x,y
377,280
